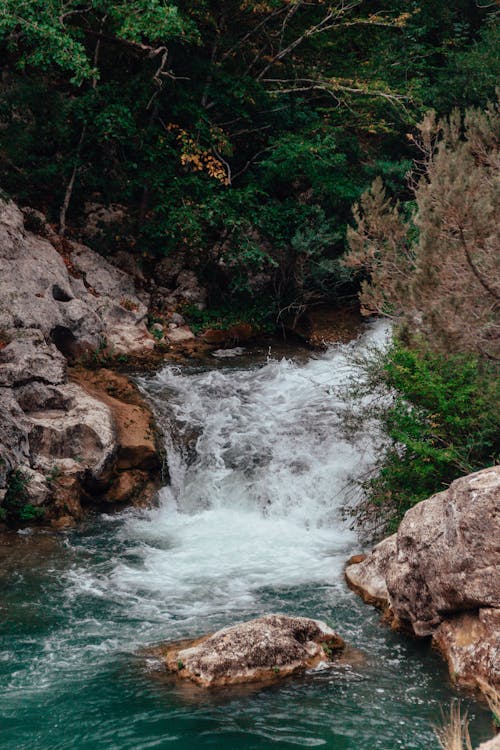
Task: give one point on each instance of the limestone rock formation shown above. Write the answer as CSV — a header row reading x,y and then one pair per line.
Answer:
x,y
448,553
73,298
470,643
266,648
439,575
367,576
60,302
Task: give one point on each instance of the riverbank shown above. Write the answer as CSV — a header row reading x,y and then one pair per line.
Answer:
x,y
248,524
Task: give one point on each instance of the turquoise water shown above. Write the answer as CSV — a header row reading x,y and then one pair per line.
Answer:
x,y
248,524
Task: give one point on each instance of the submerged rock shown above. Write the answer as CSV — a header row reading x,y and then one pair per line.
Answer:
x,y
267,648
439,575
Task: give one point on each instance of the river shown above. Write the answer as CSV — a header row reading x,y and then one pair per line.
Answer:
x,y
249,523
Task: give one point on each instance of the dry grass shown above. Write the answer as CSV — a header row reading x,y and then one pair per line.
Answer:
x,y
453,734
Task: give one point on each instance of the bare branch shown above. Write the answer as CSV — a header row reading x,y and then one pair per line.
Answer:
x,y
329,21
330,86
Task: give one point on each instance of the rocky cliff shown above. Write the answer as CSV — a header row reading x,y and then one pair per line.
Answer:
x,y
62,432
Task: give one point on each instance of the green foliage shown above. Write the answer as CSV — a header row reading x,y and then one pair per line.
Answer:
x,y
53,475
259,316
15,506
220,146
443,422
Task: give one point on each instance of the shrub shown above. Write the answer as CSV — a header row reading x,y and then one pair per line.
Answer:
x,y
440,422
15,505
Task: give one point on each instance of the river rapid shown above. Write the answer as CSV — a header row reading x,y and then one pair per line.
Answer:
x,y
249,523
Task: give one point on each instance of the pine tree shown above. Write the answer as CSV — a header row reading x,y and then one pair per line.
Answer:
x,y
438,275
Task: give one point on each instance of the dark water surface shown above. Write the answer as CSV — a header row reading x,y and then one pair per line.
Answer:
x,y
249,524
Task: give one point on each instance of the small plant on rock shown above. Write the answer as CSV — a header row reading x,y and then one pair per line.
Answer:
x,y
15,503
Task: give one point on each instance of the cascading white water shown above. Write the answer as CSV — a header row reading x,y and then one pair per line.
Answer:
x,y
249,524
258,472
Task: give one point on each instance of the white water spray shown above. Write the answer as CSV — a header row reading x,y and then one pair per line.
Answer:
x,y
258,474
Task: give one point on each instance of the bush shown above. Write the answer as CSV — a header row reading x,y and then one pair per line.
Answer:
x,y
441,422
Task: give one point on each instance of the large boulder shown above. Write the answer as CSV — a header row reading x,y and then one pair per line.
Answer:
x,y
470,643
132,418
14,443
439,575
448,553
79,437
266,648
29,358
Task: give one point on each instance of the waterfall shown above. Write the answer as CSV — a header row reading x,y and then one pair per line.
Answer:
x,y
258,474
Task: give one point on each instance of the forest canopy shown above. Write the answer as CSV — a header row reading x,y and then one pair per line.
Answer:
x,y
236,133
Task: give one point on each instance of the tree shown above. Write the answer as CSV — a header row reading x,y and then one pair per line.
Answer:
x,y
438,276
228,129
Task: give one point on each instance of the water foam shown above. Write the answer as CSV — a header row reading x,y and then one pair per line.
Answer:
x,y
258,472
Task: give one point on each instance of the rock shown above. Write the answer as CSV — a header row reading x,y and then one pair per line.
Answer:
x,y
63,522
32,275
131,417
60,300
177,319
179,335
355,559
37,488
128,487
493,744
116,302
30,359
215,336
470,643
189,290
66,499
448,554
38,396
241,332
129,263
65,292
439,575
14,443
168,269
99,217
366,576
232,335
126,339
269,647
79,438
